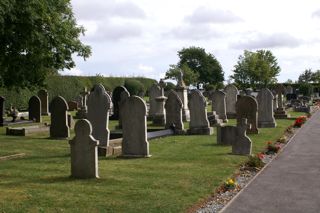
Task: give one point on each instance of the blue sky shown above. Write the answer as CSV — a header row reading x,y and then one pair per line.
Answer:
x,y
142,37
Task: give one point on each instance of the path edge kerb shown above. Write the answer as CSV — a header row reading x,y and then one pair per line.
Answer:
x,y
267,165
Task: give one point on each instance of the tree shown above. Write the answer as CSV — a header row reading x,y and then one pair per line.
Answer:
x,y
38,37
306,77
203,67
254,68
189,76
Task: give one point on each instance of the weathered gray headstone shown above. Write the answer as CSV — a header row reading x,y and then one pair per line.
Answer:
x,y
84,154
2,107
218,99
98,114
199,124
182,91
159,117
154,92
265,109
242,144
231,99
174,112
82,112
134,127
34,109
280,112
44,98
59,123
247,107
116,97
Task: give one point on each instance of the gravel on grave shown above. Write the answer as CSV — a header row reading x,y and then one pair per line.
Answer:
x,y
220,199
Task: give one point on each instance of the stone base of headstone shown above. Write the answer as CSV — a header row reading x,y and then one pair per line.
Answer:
x,y
159,120
81,114
179,132
214,119
200,131
280,114
231,115
266,125
226,135
26,131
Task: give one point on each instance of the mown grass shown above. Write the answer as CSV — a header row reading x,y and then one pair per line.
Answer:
x,y
182,171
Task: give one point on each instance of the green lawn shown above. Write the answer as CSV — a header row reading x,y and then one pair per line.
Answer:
x,y
182,171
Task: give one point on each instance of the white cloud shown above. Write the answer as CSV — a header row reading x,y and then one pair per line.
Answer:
x,y
316,14
97,10
203,15
145,68
261,41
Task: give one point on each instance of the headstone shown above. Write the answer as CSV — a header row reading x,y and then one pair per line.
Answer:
x,y
134,127
82,112
275,101
291,96
34,109
59,123
98,114
289,90
123,97
280,112
265,109
226,135
84,154
2,107
173,108
182,91
154,92
159,117
242,144
44,98
218,99
199,124
73,105
79,101
247,107
231,99
116,96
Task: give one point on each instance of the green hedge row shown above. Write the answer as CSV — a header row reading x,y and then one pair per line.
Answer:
x,y
70,87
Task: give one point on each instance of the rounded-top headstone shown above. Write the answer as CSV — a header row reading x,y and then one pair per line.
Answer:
x,y
83,128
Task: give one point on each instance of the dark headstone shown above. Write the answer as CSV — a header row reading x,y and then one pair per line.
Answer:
x,y
35,109
116,97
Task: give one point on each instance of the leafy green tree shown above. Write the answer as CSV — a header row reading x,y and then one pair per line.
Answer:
x,y
38,38
256,68
189,76
203,67
306,77
316,77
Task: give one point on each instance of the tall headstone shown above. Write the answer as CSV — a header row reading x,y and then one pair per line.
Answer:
x,y
173,108
231,99
59,121
134,127
82,112
34,109
247,107
265,109
218,99
98,114
199,124
84,154
280,112
242,144
289,89
116,97
2,107
154,92
159,117
182,91
44,98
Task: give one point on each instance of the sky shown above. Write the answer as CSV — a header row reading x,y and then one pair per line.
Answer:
x,y
142,37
